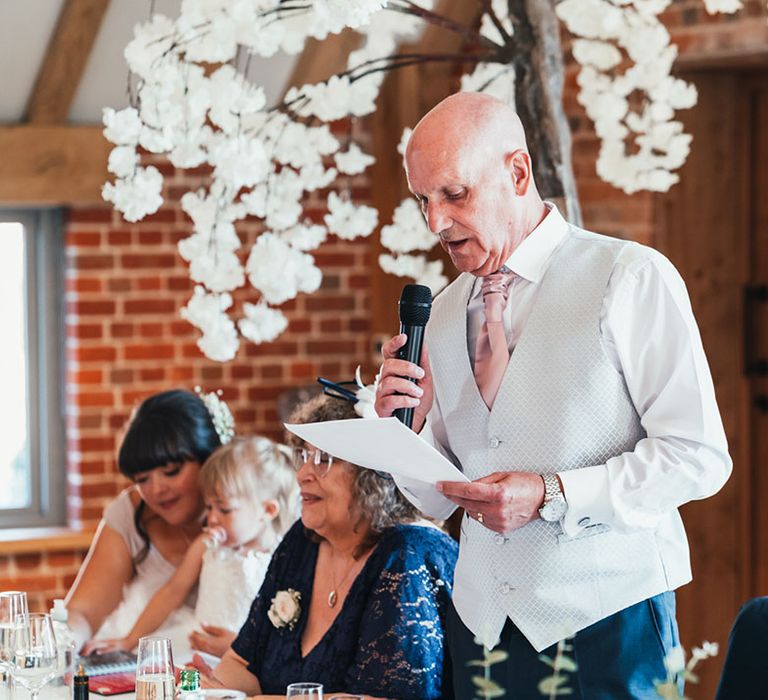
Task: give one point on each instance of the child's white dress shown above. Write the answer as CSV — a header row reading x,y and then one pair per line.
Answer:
x,y
229,581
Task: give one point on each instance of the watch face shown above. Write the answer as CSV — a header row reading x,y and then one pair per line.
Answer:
x,y
553,509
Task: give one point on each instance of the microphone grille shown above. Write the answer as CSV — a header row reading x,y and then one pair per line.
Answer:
x,y
415,305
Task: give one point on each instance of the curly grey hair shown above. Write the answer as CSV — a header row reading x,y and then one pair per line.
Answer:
x,y
377,496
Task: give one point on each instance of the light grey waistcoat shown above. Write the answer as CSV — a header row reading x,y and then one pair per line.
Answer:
x,y
561,405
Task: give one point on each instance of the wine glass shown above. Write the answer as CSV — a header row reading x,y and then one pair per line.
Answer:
x,y
154,669
12,604
34,657
304,691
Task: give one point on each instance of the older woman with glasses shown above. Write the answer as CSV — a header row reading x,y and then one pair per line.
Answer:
x,y
356,595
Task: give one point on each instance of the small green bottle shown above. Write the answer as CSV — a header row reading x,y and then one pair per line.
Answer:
x,y
189,685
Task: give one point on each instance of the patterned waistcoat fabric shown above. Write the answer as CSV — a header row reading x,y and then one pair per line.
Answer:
x,y
561,405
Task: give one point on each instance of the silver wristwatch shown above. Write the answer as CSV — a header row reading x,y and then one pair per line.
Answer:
x,y
555,505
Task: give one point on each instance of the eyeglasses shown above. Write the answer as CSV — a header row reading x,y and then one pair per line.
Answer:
x,y
320,461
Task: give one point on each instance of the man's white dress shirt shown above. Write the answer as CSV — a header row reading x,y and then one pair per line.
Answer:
x,y
649,333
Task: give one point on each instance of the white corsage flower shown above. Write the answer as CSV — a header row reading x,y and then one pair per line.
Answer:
x,y
285,610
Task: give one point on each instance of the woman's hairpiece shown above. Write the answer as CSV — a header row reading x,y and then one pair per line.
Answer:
x,y
223,420
360,395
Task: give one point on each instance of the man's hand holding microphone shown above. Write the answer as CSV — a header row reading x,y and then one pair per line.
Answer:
x,y
501,501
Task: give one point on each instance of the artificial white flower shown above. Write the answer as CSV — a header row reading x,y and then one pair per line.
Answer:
x,y
705,651
137,195
591,19
155,140
305,236
261,323
255,28
599,54
489,29
496,79
353,161
231,97
123,127
316,177
674,661
349,13
239,162
220,271
123,160
208,313
279,271
348,220
208,32
189,150
277,200
408,230
728,6
151,41
340,97
214,209
417,267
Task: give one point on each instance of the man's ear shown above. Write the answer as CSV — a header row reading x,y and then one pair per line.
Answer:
x,y
518,164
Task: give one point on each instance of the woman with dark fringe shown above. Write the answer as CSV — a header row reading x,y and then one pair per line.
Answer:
x,y
147,529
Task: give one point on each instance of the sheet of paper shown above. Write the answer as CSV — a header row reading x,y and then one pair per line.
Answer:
x,y
383,444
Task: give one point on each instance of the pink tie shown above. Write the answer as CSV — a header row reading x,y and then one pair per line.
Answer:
x,y
492,352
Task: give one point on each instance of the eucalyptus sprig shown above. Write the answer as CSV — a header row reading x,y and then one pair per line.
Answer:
x,y
555,685
486,687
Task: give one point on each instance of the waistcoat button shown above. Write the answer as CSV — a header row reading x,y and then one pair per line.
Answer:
x,y
494,443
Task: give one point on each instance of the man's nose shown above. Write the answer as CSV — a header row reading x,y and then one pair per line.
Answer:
x,y
437,220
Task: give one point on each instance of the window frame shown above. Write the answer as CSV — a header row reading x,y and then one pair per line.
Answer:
x,y
44,268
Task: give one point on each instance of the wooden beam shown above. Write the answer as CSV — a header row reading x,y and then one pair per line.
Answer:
x,y
321,59
65,60
52,165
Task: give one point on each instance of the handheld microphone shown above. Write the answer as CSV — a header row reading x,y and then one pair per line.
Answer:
x,y
414,306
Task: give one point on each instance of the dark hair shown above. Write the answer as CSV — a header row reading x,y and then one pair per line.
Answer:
x,y
376,494
168,428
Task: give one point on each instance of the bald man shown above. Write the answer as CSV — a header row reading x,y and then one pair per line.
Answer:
x,y
565,376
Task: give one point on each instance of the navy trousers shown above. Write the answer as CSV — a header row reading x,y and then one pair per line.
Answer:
x,y
747,658
617,658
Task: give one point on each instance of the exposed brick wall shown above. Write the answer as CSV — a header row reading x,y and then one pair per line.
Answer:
x,y
126,282
43,576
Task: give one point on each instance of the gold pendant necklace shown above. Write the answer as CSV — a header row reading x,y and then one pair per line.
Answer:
x,y
333,595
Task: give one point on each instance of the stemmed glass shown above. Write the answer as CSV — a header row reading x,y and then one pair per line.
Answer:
x,y
155,678
34,658
304,691
12,604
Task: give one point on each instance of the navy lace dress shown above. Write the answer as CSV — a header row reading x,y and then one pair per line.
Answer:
x,y
387,639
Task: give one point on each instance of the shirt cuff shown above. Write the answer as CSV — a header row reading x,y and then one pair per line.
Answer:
x,y
587,494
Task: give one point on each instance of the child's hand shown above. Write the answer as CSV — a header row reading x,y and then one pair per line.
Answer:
x,y
212,640
207,679
102,646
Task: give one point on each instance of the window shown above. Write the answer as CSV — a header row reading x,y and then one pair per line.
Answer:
x,y
32,455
